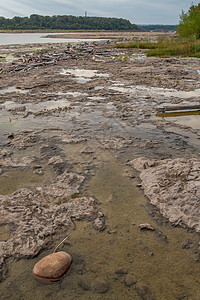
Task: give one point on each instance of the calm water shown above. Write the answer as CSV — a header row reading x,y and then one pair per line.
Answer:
x,y
34,38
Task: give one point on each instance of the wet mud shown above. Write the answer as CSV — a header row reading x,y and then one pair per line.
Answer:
x,y
75,122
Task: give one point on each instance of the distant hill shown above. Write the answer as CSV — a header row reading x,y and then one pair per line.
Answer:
x,y
37,22
157,27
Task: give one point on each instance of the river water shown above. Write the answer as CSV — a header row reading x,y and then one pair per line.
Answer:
x,y
35,38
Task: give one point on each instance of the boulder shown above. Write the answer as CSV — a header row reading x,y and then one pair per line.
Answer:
x,y
52,267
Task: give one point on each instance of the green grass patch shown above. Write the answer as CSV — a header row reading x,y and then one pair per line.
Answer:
x,y
165,47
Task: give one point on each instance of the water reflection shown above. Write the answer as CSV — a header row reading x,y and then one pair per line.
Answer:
x,y
188,118
35,38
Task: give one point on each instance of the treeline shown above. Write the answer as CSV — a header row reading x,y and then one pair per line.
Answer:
x,y
37,22
155,27
190,22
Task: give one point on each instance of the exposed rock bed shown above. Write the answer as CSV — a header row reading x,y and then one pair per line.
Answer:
x,y
70,112
172,185
33,216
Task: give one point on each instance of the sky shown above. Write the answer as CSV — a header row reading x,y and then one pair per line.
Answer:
x,y
137,11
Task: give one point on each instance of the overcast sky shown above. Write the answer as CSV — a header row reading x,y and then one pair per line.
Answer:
x,y
137,11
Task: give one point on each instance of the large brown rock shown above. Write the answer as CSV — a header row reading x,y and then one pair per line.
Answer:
x,y
52,267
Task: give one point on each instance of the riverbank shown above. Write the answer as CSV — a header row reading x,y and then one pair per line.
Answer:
x,y
73,118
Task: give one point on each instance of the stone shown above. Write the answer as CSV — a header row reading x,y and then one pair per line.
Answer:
x,y
146,226
85,285
52,267
99,286
129,280
121,271
144,292
173,186
99,223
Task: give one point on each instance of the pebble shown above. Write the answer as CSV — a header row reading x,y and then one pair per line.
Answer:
x,y
100,286
84,285
144,291
99,224
146,226
121,271
39,172
129,280
52,267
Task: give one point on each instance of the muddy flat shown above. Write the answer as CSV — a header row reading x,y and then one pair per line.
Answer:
x,y
101,145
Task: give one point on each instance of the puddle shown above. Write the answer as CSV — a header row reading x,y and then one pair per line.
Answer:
x,y
187,118
170,272
156,91
13,180
96,98
50,105
198,72
47,105
11,105
73,94
82,75
12,89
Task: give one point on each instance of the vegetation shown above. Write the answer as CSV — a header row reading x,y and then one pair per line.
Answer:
x,y
37,22
158,27
190,22
165,47
187,44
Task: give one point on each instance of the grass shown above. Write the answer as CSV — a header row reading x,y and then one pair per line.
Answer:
x,y
165,47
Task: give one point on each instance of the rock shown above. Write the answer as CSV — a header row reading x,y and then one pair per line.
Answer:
x,y
52,267
144,291
187,244
100,286
121,271
84,285
173,186
99,223
161,236
55,160
145,249
39,172
129,280
146,226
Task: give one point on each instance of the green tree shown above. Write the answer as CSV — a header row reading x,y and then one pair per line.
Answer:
x,y
189,24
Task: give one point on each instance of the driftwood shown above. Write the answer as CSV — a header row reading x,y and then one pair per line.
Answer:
x,y
29,62
178,108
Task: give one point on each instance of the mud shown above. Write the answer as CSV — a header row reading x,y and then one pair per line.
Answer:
x,y
68,111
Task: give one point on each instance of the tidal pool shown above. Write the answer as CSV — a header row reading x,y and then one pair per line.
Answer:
x,y
162,268
13,89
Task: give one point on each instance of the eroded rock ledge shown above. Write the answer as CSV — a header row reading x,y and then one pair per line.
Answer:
x,y
173,186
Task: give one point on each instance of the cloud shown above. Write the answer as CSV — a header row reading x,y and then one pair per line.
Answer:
x,y
137,11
